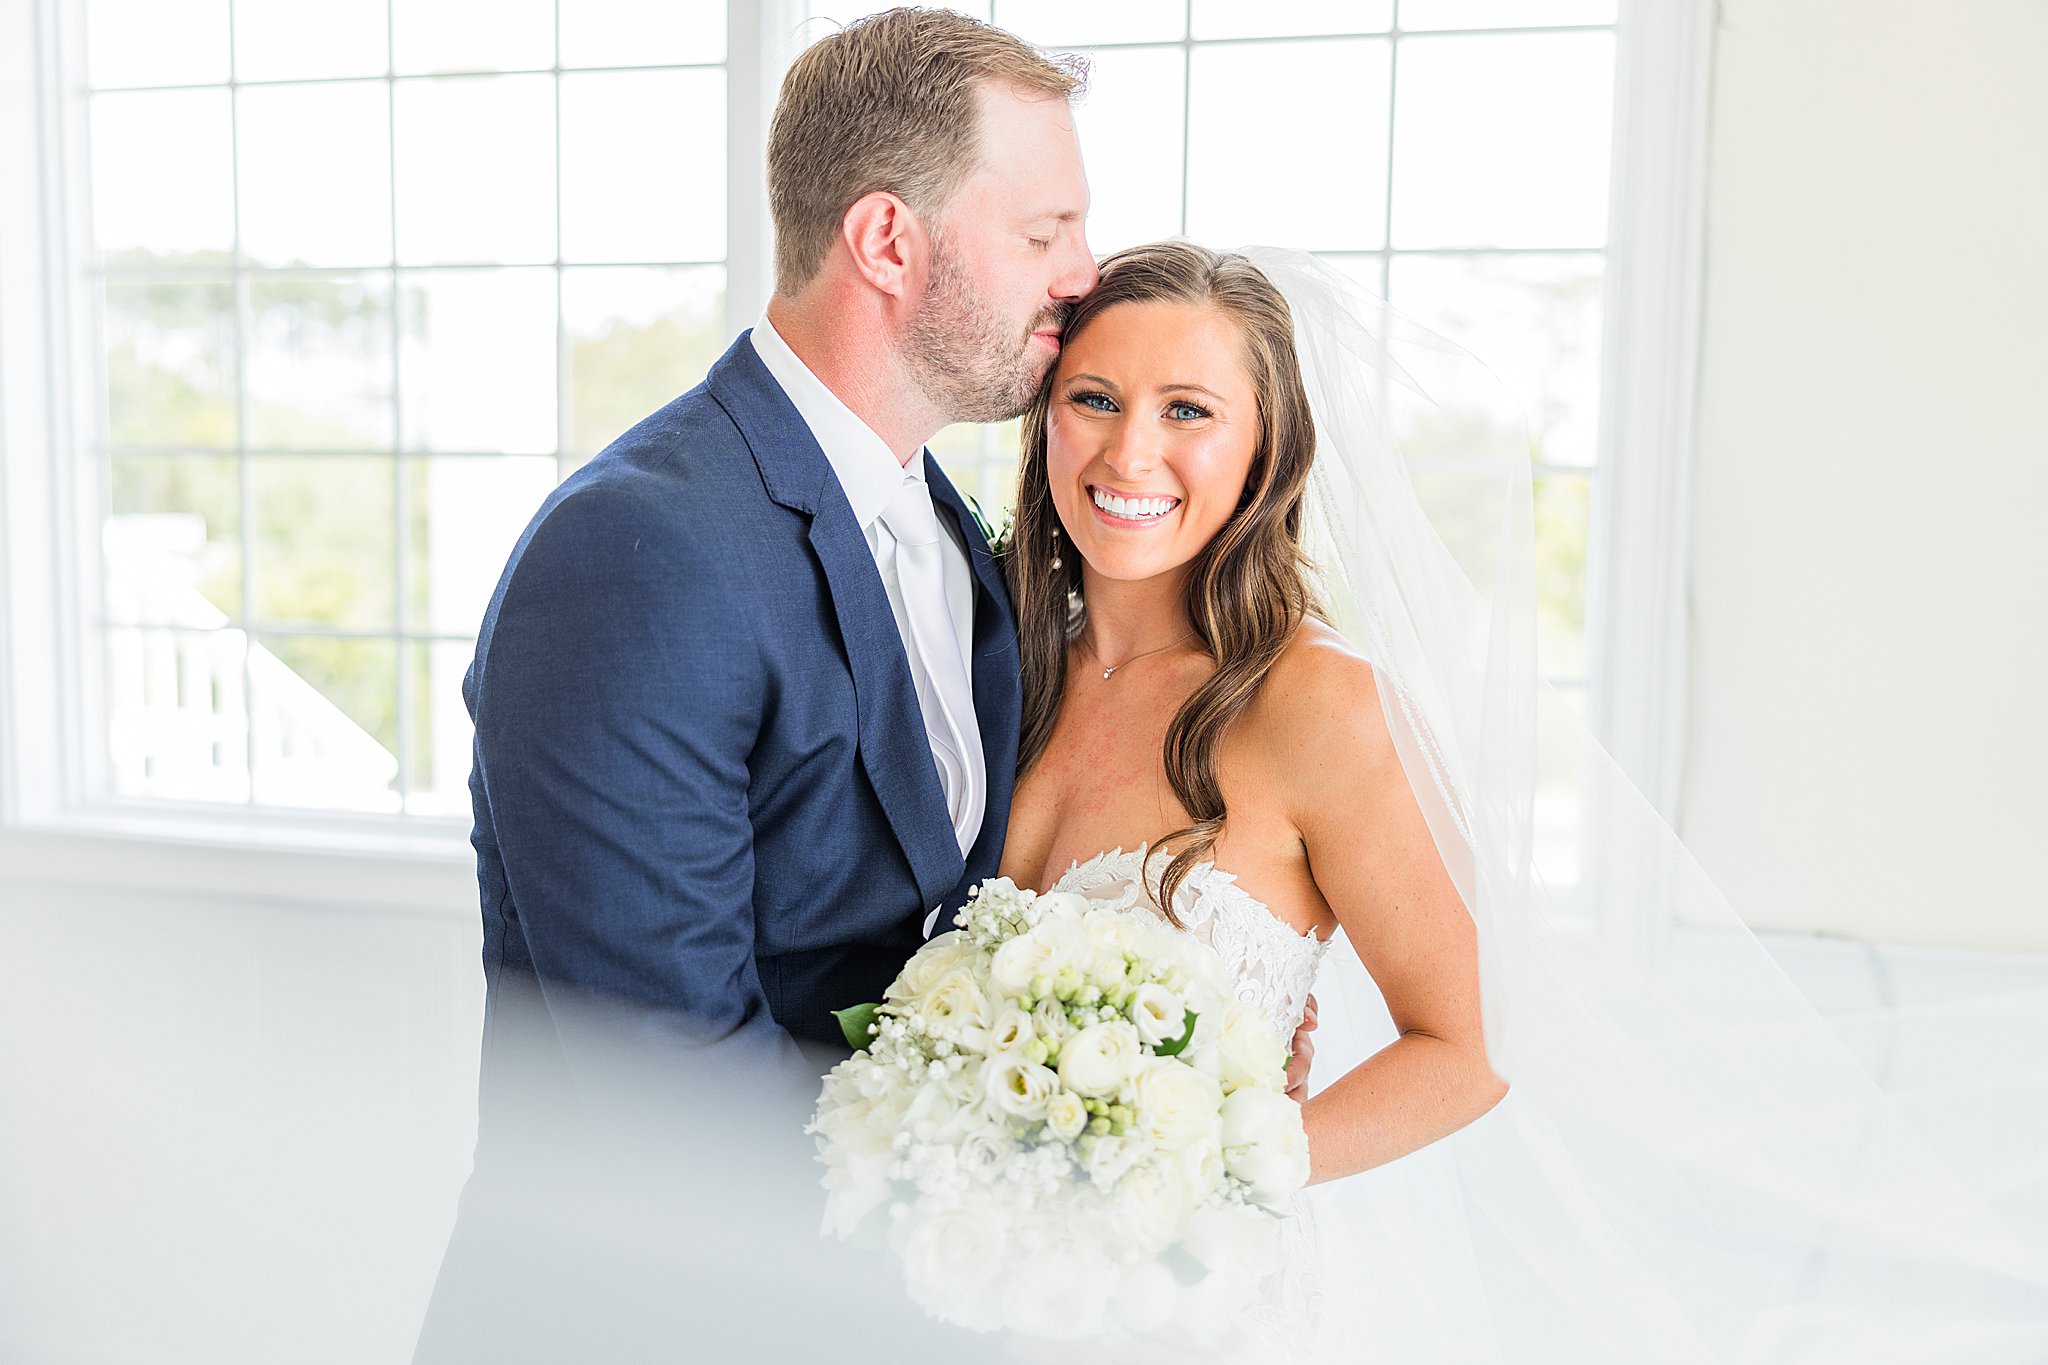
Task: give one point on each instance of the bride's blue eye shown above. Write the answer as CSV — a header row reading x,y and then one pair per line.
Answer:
x,y
1099,402
1186,412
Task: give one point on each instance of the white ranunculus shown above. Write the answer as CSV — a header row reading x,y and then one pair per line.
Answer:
x,y
927,965
1158,1014
1177,1105
1263,1143
1251,1050
1065,1114
1100,1059
1011,1031
957,1009
1018,1086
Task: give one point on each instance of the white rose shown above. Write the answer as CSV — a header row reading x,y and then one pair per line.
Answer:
x,y
1263,1143
1252,1052
1146,1297
1111,1158
927,965
1012,1031
1058,1293
1101,1058
1019,1086
957,1009
1055,944
1237,1243
952,1258
1065,1114
1177,1105
1158,1014
1151,1206
1062,905
1050,1021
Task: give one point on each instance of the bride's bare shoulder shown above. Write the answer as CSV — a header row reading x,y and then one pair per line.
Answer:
x,y
1319,709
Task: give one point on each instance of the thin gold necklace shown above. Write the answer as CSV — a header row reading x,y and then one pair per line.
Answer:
x,y
1135,657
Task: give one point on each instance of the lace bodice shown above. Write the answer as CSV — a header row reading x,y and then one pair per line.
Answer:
x,y
1270,963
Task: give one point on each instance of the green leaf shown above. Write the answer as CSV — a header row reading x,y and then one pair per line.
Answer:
x,y
1174,1047
854,1022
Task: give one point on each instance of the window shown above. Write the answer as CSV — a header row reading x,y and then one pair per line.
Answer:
x,y
342,293
366,287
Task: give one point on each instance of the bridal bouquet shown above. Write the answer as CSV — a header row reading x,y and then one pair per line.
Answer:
x,y
1064,1121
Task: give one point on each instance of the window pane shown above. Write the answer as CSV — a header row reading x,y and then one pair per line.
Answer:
x,y
466,513
162,173
176,724
173,540
1504,13
1089,21
315,171
1130,129
1503,141
473,35
614,206
1263,164
1282,18
156,42
982,463
631,33
325,721
324,541
478,360
441,730
170,364
476,170
1534,321
277,40
1563,507
637,338
319,362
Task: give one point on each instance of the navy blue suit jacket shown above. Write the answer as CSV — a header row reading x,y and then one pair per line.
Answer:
x,y
702,785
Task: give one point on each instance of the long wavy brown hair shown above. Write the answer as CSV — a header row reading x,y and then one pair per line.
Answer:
x,y
1250,587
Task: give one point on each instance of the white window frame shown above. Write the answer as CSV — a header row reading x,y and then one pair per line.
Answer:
x,y
48,828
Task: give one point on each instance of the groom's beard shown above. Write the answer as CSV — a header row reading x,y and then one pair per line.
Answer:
x,y
966,356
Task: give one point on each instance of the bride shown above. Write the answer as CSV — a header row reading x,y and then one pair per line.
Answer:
x,y
1556,1151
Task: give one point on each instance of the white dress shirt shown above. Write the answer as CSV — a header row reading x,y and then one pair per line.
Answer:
x,y
871,474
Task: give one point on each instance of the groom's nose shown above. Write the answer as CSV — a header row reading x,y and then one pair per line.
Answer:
x,y
1079,276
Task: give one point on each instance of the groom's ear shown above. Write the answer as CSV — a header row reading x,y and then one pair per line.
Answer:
x,y
886,241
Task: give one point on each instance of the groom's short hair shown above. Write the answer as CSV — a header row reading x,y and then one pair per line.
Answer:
x,y
888,103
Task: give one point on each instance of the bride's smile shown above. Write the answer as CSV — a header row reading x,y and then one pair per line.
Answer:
x,y
1150,435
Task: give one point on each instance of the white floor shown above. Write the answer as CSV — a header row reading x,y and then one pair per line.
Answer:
x,y
233,1131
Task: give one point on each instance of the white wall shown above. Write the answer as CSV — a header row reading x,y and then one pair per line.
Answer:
x,y
1869,712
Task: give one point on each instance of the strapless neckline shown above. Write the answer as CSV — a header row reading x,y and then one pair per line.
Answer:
x,y
1271,964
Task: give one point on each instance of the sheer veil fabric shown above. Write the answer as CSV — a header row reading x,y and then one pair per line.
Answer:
x,y
1691,1165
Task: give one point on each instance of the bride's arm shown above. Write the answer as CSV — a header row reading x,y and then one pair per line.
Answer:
x,y
1377,866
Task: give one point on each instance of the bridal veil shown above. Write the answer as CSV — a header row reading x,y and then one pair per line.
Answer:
x,y
1691,1164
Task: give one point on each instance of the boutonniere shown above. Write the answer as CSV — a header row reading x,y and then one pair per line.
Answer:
x,y
998,537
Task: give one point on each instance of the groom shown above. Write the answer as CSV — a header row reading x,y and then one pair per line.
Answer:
x,y
746,697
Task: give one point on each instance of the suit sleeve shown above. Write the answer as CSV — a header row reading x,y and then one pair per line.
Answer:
x,y
616,706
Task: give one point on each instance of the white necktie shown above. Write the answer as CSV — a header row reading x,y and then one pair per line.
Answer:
x,y
944,693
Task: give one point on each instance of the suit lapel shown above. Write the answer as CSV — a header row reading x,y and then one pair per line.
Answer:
x,y
891,735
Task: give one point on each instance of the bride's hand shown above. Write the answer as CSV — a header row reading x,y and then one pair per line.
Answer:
x,y
1304,1053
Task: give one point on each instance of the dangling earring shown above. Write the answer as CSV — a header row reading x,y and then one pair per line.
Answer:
x,y
1056,549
